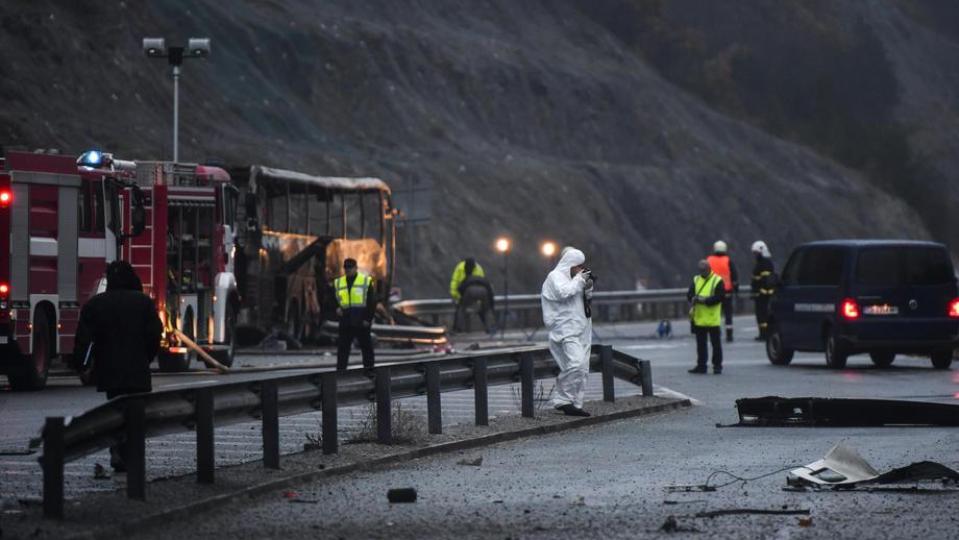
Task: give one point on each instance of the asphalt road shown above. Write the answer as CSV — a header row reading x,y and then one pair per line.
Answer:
x,y
613,480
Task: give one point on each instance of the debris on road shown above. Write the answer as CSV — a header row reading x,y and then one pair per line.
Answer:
x,y
100,472
805,521
475,462
671,525
401,495
829,412
843,467
759,511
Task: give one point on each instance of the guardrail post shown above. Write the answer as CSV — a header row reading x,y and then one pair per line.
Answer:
x,y
526,385
434,412
269,405
53,452
480,392
134,419
646,374
384,419
606,366
205,460
328,397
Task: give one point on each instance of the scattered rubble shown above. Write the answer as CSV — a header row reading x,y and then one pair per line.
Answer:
x,y
843,467
829,412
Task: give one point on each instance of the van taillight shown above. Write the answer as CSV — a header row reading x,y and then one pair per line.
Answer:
x,y
954,308
6,197
850,309
4,290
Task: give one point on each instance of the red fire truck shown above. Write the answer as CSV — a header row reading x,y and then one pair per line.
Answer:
x,y
62,219
50,260
175,225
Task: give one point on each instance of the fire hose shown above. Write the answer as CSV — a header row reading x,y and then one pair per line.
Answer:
x,y
205,356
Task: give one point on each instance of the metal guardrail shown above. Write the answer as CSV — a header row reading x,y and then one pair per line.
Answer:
x,y
525,308
136,417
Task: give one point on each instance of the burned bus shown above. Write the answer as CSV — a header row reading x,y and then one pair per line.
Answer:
x,y
295,230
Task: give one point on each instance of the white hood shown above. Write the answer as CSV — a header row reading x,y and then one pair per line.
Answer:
x,y
564,312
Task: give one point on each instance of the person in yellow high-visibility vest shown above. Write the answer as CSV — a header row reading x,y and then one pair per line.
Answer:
x,y
706,295
356,306
469,287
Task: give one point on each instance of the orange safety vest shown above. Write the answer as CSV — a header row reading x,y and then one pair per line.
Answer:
x,y
720,266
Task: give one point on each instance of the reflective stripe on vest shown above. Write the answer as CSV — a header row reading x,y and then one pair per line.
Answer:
x,y
355,296
704,315
720,266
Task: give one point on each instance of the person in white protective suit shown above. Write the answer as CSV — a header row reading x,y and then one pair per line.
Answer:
x,y
565,311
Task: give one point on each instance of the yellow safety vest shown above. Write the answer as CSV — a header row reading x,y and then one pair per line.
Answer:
x,y
459,276
704,315
353,297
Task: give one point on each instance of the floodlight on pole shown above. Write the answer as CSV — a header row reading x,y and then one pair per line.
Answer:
x,y
548,249
503,245
196,48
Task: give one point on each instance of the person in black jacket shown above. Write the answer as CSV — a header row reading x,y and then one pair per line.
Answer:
x,y
121,331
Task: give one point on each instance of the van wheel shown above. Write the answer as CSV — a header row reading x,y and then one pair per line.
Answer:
x,y
32,375
836,355
778,354
882,359
942,359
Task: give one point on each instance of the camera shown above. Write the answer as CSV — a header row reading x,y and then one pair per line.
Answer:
x,y
588,271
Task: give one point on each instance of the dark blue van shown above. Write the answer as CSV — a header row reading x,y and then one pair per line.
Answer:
x,y
882,297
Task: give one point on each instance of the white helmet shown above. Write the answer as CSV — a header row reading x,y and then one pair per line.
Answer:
x,y
760,247
719,246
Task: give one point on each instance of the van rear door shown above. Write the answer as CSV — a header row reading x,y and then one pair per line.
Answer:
x,y
899,286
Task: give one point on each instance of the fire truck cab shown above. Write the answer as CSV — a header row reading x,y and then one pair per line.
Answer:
x,y
50,261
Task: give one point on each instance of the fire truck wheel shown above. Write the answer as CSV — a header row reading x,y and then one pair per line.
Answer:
x,y
225,356
33,374
168,361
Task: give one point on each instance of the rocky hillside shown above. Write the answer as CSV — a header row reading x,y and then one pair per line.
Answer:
x,y
640,131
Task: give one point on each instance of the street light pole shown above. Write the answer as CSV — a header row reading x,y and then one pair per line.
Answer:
x,y
176,114
503,246
505,294
196,48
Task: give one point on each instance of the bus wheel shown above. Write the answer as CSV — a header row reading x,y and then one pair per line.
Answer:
x,y
33,372
225,356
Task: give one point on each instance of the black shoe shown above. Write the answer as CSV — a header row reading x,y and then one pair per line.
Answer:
x,y
717,370
697,370
760,338
575,411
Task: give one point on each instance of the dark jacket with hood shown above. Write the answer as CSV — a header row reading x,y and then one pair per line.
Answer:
x,y
123,326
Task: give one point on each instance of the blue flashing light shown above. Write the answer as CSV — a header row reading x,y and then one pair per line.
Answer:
x,y
92,158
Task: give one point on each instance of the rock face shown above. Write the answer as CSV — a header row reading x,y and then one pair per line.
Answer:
x,y
532,119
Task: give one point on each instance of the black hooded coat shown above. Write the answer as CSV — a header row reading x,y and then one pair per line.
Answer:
x,y
123,326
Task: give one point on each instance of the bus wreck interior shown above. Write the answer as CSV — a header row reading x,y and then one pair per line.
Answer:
x,y
295,230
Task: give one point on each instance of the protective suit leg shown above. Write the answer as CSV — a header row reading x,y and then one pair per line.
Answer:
x,y
573,360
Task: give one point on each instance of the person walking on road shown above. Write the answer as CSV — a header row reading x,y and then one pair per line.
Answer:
x,y
565,313
468,288
723,266
120,331
706,295
356,306
763,285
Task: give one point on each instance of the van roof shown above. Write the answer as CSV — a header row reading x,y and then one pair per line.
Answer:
x,y
874,242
